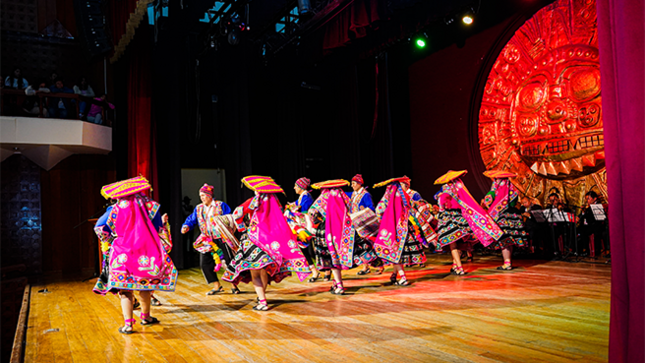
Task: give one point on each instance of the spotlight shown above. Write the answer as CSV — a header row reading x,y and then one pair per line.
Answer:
x,y
233,37
304,9
468,17
421,40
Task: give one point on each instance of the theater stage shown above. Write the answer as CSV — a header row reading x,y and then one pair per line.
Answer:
x,y
540,312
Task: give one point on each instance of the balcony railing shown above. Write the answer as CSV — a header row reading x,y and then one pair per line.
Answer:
x,y
16,98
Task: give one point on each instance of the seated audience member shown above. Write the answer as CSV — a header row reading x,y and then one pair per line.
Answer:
x,y
32,103
59,107
589,226
94,115
84,89
15,80
53,78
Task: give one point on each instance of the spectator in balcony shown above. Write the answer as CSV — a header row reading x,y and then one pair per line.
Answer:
x,y
32,103
59,107
84,89
15,80
53,78
95,113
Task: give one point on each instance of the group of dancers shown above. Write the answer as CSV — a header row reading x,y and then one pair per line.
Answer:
x,y
261,242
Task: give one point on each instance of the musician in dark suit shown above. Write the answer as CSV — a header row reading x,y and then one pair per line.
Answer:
x,y
535,230
556,202
562,230
589,225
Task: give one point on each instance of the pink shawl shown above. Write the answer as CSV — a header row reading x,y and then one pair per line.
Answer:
x,y
333,205
270,232
502,193
483,226
393,211
137,250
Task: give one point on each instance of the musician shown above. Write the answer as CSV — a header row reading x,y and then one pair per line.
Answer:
x,y
361,199
589,225
556,202
561,230
532,227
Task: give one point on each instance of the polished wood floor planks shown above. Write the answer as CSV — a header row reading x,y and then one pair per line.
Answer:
x,y
539,312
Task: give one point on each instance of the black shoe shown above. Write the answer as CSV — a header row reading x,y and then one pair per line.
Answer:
x,y
363,272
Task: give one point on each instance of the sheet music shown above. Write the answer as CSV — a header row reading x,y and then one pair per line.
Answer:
x,y
538,215
555,215
598,212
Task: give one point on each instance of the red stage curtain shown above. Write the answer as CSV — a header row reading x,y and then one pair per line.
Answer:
x,y
141,129
352,22
119,13
622,67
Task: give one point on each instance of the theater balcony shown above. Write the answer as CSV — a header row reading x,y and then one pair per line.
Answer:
x,y
47,141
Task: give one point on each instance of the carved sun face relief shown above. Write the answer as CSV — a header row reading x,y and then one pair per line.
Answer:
x,y
541,112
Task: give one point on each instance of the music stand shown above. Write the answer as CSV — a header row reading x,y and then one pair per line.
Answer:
x,y
547,216
598,212
538,215
599,215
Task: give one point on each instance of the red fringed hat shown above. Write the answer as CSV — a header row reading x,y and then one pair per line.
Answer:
x,y
499,174
450,176
126,187
336,183
262,184
402,179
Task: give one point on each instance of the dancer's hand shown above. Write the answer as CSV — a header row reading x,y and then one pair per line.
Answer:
x,y
184,229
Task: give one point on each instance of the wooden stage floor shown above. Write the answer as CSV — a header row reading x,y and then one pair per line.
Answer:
x,y
539,312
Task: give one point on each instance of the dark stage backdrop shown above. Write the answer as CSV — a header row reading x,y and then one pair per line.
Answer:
x,y
443,96
263,120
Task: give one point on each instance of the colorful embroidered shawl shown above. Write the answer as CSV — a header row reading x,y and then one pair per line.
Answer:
x,y
333,206
423,216
502,195
269,231
223,226
483,226
393,211
357,197
138,259
205,243
298,224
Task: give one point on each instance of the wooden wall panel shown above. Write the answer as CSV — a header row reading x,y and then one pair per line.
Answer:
x,y
71,195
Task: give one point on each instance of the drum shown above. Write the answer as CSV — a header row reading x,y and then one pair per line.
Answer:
x,y
365,222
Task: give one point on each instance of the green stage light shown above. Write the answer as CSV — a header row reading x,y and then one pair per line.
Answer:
x,y
421,43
